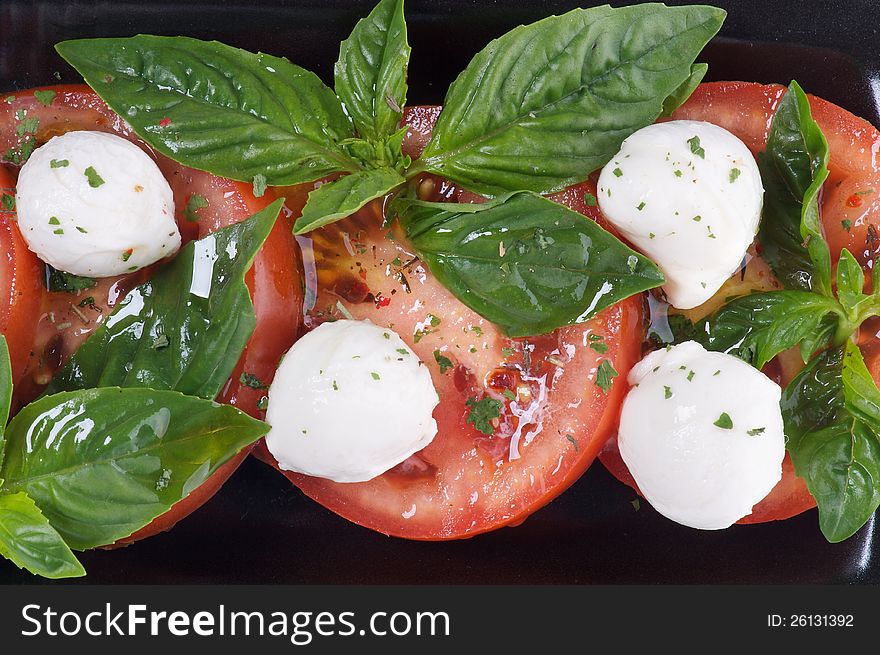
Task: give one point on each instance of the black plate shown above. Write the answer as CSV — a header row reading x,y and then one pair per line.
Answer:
x,y
259,529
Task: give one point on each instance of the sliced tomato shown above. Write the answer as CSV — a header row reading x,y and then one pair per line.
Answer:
x,y
21,284
850,216
65,319
555,417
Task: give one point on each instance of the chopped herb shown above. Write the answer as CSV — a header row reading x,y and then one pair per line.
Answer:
x,y
617,172
59,163
755,431
58,231
694,143
194,204
724,421
386,335
697,218
677,173
641,206
396,261
507,352
88,301
690,376
402,351
718,372
374,375
252,381
507,393
335,386
7,202
263,403
10,100
573,442
846,223
433,321
126,254
95,180
44,97
482,413
667,392
636,504
734,173
53,220
590,199
444,362
476,329
259,185
604,375
160,341
56,280
651,235
82,229
27,126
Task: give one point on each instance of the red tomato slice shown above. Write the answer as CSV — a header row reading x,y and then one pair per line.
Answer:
x,y
465,482
21,286
850,216
274,281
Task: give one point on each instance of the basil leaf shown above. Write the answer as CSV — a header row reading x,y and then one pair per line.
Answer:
x,y
546,104
371,71
525,263
185,328
759,326
793,168
682,93
333,201
218,108
850,280
832,417
29,542
56,280
103,463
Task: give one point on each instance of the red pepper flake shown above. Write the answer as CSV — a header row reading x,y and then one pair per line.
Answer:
x,y
165,122
363,274
854,200
382,301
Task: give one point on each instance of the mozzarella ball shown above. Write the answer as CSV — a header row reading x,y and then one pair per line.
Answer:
x,y
94,204
349,401
688,194
701,433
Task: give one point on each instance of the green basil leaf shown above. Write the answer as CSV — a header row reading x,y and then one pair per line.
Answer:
x,y
29,542
546,104
759,326
682,93
217,108
184,329
525,263
371,71
103,463
850,280
335,200
832,418
56,280
793,168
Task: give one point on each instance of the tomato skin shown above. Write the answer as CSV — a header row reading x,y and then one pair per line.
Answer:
x,y
21,289
274,281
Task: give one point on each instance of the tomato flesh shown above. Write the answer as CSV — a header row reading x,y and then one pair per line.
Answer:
x,y
554,418
63,320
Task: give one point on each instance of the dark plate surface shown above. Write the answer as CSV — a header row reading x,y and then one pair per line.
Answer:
x,y
259,529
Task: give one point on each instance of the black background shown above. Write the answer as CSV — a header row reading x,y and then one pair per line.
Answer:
x,y
259,529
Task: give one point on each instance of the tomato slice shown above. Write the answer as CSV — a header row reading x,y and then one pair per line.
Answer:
x,y
554,418
64,320
21,286
850,216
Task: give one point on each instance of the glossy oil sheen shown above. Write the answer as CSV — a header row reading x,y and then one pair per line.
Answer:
x,y
592,533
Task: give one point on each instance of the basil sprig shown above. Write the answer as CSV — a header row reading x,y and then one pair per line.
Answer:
x,y
794,167
525,263
832,408
186,327
546,104
832,421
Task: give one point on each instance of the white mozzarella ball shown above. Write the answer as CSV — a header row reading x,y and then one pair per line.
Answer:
x,y
94,204
688,194
349,401
701,432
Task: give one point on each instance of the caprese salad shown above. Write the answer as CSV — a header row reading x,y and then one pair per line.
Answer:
x,y
433,319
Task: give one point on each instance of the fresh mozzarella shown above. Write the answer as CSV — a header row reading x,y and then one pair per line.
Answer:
x,y
688,194
349,401
701,433
94,204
